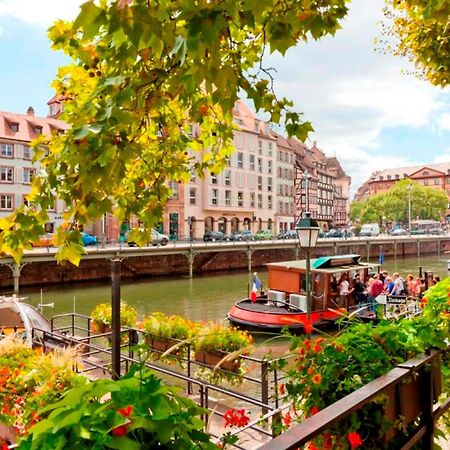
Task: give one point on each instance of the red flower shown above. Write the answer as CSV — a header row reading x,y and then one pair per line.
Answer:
x,y
317,378
307,343
355,439
281,389
308,327
327,442
121,430
287,419
236,418
126,412
311,446
314,410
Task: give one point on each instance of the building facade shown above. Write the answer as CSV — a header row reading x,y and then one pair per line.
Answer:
x,y
16,166
436,176
268,183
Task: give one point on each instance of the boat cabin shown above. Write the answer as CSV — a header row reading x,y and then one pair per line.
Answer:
x,y
287,280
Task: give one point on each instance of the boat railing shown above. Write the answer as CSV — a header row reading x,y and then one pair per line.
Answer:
x,y
95,350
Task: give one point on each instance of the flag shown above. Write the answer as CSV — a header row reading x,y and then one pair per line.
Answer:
x,y
381,257
256,287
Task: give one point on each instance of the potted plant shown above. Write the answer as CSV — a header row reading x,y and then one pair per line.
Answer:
x,y
163,332
327,369
219,344
29,380
136,412
101,317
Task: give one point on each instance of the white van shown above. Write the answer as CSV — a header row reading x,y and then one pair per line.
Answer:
x,y
370,229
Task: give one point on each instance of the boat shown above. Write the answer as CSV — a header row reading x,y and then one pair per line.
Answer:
x,y
19,317
284,304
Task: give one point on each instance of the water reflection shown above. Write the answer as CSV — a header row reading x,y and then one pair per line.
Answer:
x,y
207,297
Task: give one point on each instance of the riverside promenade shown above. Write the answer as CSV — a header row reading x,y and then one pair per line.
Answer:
x,y
179,258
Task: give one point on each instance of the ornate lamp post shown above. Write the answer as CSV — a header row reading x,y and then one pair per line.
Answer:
x,y
308,232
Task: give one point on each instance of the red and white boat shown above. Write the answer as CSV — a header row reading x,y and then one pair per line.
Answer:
x,y
284,304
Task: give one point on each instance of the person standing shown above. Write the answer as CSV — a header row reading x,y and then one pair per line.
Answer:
x,y
360,290
344,290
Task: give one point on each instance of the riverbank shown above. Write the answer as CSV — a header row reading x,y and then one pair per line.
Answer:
x,y
180,259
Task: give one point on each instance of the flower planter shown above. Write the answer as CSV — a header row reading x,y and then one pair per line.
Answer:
x,y
213,358
160,344
100,328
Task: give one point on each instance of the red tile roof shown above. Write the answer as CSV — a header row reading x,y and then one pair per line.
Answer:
x,y
27,126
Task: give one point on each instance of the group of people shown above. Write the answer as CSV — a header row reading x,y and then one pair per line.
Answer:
x,y
380,283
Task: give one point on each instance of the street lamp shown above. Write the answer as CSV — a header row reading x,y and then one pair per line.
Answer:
x,y
409,188
308,232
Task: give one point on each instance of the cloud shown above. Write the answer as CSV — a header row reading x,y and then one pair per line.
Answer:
x,y
443,122
42,13
443,157
353,95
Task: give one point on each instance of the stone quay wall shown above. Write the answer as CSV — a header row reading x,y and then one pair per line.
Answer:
x,y
50,272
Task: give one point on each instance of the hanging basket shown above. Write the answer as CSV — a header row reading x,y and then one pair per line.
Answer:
x,y
213,358
100,328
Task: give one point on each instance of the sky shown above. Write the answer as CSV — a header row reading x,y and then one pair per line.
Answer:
x,y
365,110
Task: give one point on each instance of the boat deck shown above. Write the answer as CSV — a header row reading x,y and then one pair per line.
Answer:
x,y
266,306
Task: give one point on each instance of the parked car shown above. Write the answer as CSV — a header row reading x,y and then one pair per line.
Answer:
x,y
436,231
263,235
288,234
399,232
243,235
88,239
370,229
157,239
322,233
44,241
215,236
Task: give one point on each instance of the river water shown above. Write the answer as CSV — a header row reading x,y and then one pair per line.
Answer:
x,y
205,297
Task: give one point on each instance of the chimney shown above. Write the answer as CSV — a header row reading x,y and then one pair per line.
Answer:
x,y
30,111
314,144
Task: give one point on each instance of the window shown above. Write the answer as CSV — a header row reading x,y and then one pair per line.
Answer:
x,y
38,129
252,162
269,184
240,198
25,200
252,199
260,165
269,202
388,177
269,150
227,198
259,147
280,207
215,194
173,186
240,162
213,178
192,196
256,125
425,182
425,173
26,152
14,126
437,181
260,201
260,183
7,151
227,177
6,201
269,166
6,174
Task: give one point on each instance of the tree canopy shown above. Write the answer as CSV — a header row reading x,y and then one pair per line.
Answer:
x,y
420,31
141,74
393,205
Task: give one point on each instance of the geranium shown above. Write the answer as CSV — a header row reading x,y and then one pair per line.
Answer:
x,y
236,418
308,327
287,419
102,315
336,366
121,430
354,439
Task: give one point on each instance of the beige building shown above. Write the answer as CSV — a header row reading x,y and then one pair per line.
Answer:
x,y
268,183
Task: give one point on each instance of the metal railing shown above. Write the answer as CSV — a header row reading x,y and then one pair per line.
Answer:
x,y
263,380
423,370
